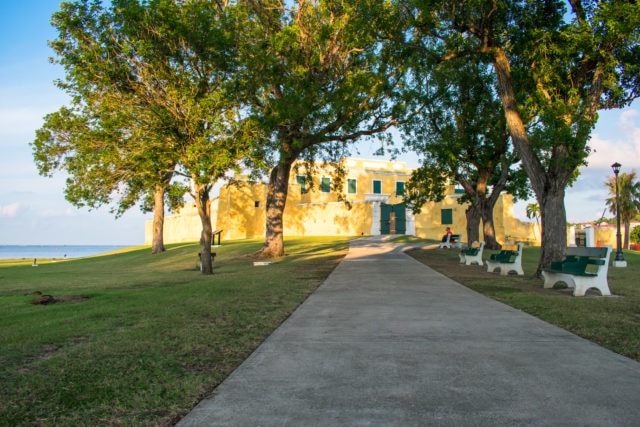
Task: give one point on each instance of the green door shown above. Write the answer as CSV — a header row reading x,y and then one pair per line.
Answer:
x,y
401,218
385,218
392,219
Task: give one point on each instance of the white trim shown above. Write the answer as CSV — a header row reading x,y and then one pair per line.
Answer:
x,y
370,197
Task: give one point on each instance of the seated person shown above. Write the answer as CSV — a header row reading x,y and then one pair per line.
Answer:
x,y
448,231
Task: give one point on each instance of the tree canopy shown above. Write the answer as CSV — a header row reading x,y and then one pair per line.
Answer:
x,y
165,88
151,97
556,65
320,75
461,136
627,200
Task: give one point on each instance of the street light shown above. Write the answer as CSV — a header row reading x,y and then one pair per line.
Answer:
x,y
619,261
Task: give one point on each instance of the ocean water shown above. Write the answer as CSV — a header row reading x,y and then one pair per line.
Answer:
x,y
54,251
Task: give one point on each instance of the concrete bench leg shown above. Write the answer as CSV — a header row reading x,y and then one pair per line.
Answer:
x,y
579,284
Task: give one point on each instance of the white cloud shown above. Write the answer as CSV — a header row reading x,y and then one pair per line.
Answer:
x,y
621,145
616,138
20,121
52,213
10,210
627,115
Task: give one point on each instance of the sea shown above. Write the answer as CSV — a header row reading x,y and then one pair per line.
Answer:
x,y
54,251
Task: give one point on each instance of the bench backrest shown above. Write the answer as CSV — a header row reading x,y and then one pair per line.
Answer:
x,y
587,252
474,248
509,253
504,256
578,260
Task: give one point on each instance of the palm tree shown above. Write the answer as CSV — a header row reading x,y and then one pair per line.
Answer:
x,y
629,195
533,211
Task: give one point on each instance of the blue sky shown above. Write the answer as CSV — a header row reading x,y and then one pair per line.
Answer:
x,y
33,209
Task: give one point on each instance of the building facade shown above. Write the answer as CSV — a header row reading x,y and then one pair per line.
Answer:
x,y
369,201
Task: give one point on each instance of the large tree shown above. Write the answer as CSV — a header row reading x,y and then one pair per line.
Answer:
x,y
628,191
150,88
104,165
461,136
322,77
556,64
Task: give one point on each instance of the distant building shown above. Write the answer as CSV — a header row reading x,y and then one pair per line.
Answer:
x,y
373,191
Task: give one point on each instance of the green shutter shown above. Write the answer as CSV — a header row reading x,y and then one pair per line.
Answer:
x,y
351,186
377,187
399,188
302,181
325,185
446,216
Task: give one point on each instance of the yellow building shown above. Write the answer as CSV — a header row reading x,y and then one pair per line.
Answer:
x,y
373,190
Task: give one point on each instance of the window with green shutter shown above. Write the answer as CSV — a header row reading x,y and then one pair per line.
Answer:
x,y
325,185
352,186
446,216
377,186
302,181
399,188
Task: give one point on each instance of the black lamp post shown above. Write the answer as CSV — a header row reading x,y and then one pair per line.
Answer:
x,y
619,260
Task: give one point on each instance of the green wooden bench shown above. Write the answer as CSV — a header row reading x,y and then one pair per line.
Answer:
x,y
507,260
472,254
452,241
582,269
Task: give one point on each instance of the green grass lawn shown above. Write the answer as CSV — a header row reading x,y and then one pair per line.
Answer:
x,y
151,335
612,322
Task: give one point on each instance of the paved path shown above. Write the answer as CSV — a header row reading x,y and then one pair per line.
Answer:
x,y
387,341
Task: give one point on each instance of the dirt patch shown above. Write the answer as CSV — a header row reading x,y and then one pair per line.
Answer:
x,y
50,299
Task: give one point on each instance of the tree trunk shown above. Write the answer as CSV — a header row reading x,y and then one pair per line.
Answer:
x,y
554,228
627,227
473,223
277,191
157,242
481,207
549,189
203,204
488,227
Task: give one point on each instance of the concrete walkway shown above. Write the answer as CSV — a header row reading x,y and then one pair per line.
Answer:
x,y
387,341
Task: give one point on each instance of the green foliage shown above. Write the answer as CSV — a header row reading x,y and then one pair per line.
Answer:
x,y
154,335
151,96
628,195
318,71
627,201
460,135
316,77
153,90
635,235
533,211
556,64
